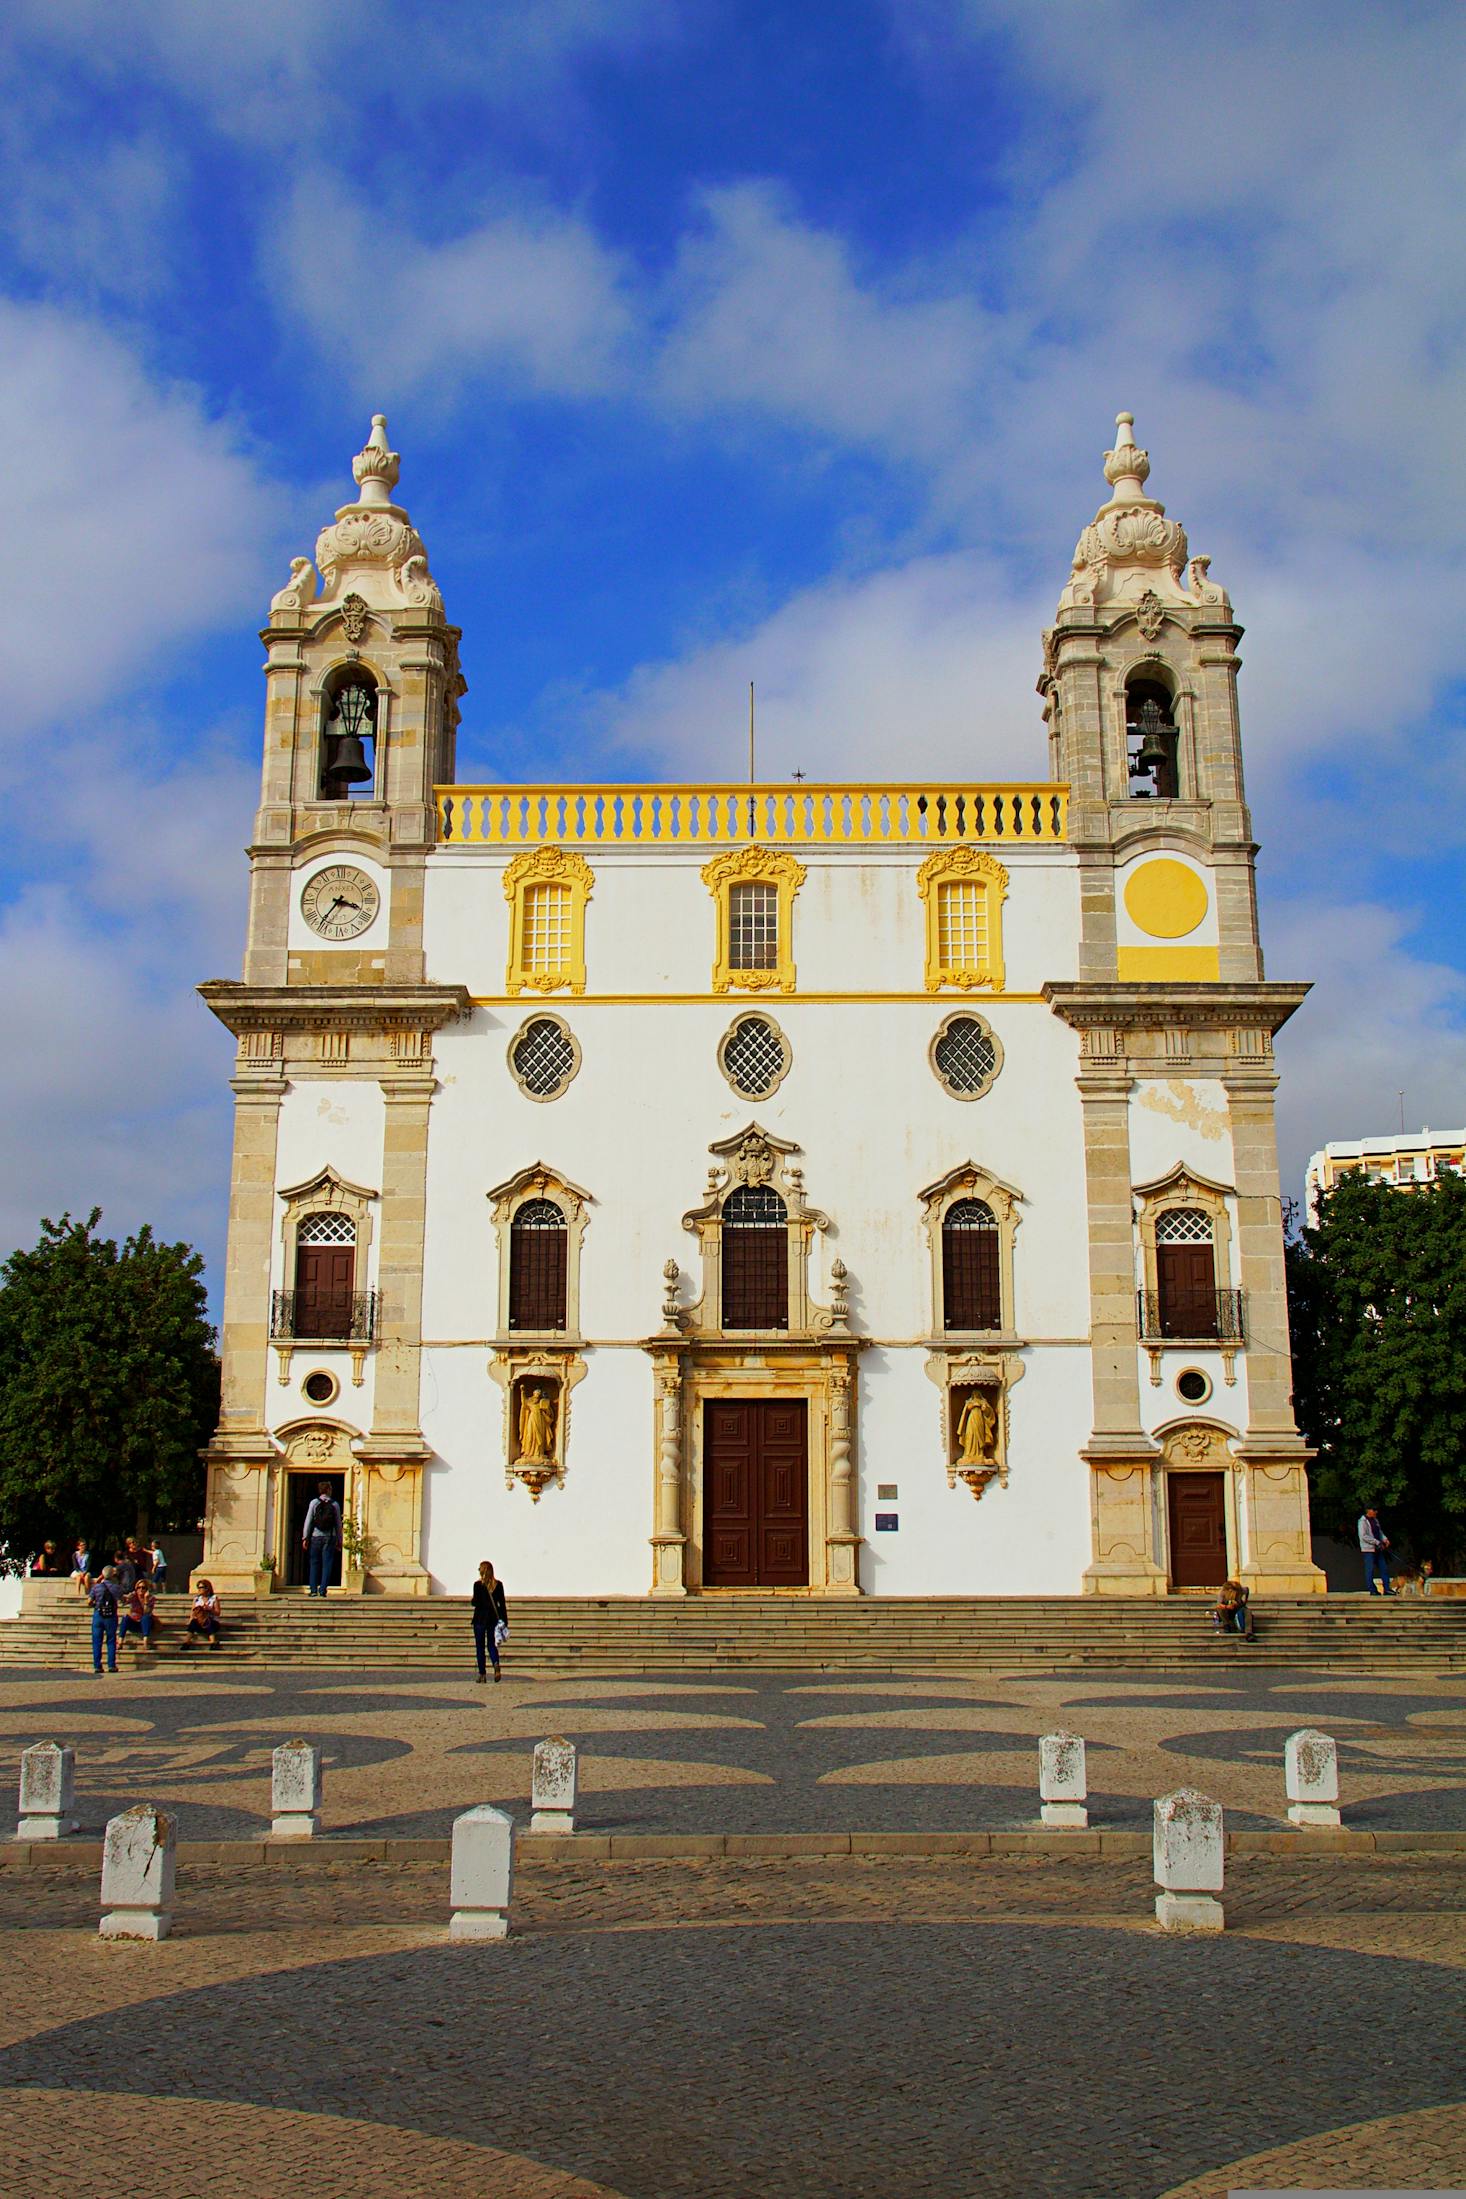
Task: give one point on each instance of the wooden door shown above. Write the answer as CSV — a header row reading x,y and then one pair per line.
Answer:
x,y
325,1277
1186,1277
1196,1504
755,1493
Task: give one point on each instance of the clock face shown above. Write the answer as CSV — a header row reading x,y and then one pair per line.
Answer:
x,y
339,903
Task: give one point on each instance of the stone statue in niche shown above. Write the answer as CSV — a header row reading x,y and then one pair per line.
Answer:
x,y
977,1429
535,1425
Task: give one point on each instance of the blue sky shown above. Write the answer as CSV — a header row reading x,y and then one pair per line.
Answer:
x,y
722,341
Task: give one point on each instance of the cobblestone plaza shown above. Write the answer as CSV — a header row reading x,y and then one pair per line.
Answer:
x,y
903,2023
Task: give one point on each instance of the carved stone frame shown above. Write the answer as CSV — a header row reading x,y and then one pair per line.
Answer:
x,y
755,1012
547,866
1184,1187
311,1447
1198,1445
544,1015
754,866
511,1366
754,1156
540,1181
968,1181
950,866
325,1193
965,1014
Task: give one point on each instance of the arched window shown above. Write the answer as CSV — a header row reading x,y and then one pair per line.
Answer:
x,y
971,1278
349,737
755,1259
1151,742
325,1276
1186,1274
537,1267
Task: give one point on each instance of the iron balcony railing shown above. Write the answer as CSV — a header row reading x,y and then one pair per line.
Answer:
x,y
350,1318
1195,1317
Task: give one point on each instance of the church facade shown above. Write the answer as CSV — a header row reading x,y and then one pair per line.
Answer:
x,y
687,1189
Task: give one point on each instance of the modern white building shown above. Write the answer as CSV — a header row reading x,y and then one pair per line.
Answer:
x,y
846,1189
1414,1157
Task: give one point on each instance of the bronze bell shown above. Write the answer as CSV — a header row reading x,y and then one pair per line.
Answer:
x,y
1155,740
348,763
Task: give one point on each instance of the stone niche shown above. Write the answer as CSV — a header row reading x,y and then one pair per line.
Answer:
x,y
536,1388
975,1387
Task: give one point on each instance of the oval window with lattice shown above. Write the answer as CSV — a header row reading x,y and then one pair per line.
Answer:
x,y
965,1056
543,1057
754,1056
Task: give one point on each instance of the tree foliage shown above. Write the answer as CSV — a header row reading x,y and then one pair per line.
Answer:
x,y
108,1385
1377,1302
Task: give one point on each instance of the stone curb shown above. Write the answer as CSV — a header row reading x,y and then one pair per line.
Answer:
x,y
1313,1842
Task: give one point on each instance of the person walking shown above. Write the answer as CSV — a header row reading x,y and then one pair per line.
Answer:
x,y
490,1619
104,1602
321,1537
1374,1542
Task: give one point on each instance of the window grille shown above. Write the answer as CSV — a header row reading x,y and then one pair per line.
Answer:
x,y
972,1295
544,1058
1183,1225
537,1267
326,1229
755,1259
754,1057
965,1056
546,929
962,925
753,927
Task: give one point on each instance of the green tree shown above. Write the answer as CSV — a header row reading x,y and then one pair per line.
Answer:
x,y
109,1385
1377,1302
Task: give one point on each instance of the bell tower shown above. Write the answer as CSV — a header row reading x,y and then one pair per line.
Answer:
x,y
1175,1023
1140,691
361,720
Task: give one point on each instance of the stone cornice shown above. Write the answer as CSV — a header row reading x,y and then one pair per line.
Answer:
x,y
1258,1006
245,1008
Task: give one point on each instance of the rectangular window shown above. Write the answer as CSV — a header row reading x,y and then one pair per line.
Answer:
x,y
971,1296
537,1279
753,927
546,930
962,924
755,1278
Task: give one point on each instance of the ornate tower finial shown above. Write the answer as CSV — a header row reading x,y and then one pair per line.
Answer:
x,y
375,466
1127,466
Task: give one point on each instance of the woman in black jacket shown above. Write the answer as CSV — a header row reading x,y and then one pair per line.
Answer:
x,y
490,1618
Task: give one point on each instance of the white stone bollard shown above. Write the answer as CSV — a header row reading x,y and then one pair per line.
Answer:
x,y
482,1869
137,1874
552,1792
295,1790
1189,1846
1311,1775
47,1776
1062,1794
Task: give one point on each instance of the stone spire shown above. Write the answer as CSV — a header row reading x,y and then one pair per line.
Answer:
x,y
372,552
1130,548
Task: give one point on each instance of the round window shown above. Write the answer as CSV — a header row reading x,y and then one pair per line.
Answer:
x,y
544,1057
1193,1386
754,1056
965,1056
320,1387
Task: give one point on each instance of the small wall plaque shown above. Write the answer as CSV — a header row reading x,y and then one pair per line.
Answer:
x,y
887,1492
887,1522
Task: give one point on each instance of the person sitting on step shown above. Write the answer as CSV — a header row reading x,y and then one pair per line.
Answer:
x,y
205,1616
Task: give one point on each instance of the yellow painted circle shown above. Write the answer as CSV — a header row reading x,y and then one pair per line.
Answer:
x,y
1165,899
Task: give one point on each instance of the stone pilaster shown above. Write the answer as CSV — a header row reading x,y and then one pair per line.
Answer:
x,y
668,1543
394,1453
1118,1453
842,1543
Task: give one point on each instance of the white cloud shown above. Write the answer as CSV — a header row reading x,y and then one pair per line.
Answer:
x,y
528,294
135,520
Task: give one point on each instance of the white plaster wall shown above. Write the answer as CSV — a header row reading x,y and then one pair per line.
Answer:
x,y
375,936
650,926
1180,1120
327,1124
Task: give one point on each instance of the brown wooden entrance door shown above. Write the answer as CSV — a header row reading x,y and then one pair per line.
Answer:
x,y
755,1493
1198,1515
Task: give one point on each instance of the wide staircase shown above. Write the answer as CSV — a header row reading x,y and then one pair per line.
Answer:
x,y
557,1635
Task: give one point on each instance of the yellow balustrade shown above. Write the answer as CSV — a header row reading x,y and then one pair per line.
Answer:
x,y
727,816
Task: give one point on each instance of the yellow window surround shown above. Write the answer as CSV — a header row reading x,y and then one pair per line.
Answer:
x,y
964,889
547,891
777,871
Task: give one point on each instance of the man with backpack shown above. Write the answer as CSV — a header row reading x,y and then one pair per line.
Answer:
x,y
321,1537
104,1602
